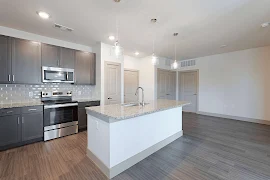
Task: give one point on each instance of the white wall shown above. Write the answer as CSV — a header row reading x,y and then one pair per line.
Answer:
x,y
236,83
43,39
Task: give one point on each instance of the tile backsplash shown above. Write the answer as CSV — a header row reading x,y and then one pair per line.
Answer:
x,y
16,93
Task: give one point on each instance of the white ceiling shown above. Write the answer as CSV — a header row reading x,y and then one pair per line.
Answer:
x,y
203,25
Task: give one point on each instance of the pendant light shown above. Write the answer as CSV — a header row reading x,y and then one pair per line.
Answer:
x,y
174,65
117,49
155,60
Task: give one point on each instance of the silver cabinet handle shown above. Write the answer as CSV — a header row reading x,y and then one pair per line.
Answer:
x,y
13,77
32,109
18,120
9,78
22,120
9,112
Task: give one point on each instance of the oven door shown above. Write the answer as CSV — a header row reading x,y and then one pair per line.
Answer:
x,y
60,115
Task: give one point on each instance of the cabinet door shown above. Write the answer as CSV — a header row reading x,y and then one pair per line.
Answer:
x,y
92,69
67,58
5,62
26,61
85,68
82,118
32,126
9,130
50,55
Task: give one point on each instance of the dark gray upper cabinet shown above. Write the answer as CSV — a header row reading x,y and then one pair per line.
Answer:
x,y
9,130
50,55
55,56
67,58
32,126
85,68
5,62
26,61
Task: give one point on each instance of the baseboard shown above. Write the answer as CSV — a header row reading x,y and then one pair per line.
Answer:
x,y
114,171
258,121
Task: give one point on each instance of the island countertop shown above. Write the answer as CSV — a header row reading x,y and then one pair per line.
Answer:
x,y
117,112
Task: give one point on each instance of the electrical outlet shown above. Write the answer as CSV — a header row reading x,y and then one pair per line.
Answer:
x,y
31,94
97,125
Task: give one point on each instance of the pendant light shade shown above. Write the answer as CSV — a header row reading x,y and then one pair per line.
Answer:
x,y
155,60
174,65
117,50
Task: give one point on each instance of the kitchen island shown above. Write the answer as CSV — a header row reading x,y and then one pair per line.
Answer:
x,y
121,136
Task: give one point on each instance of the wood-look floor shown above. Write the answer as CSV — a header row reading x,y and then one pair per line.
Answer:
x,y
211,149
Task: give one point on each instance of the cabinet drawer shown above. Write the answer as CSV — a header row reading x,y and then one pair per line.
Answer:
x,y
32,109
10,111
88,104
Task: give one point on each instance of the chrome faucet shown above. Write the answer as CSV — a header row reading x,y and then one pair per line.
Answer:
x,y
137,90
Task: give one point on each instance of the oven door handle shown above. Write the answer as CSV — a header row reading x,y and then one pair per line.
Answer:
x,y
60,105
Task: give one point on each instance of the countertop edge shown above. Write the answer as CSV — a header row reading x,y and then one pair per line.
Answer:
x,y
111,119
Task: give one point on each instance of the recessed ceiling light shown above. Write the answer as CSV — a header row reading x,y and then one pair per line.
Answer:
x,y
111,38
136,53
43,15
264,25
223,46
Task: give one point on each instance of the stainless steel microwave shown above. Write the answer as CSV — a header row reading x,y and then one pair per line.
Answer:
x,y
56,74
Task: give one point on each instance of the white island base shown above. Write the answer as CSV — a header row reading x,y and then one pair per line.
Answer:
x,y
115,147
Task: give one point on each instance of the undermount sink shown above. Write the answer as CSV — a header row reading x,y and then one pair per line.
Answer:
x,y
133,104
130,104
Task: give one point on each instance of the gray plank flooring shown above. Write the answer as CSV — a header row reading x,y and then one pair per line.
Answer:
x,y
211,149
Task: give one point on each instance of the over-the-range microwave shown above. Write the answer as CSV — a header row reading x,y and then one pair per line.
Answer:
x,y
57,75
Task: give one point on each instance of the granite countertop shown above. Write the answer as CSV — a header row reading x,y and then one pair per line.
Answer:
x,y
86,99
20,104
116,112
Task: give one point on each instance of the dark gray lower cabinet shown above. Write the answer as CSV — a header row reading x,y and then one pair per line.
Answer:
x,y
9,130
82,117
32,126
20,126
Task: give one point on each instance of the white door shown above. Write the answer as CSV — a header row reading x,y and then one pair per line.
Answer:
x,y
166,84
112,83
131,83
171,85
188,90
161,84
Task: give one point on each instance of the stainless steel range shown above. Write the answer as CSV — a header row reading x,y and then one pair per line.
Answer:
x,y
60,114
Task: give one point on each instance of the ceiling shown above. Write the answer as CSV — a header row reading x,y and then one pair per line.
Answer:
x,y
203,25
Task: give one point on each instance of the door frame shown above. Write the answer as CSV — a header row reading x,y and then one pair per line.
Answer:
x,y
138,79
180,90
106,63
